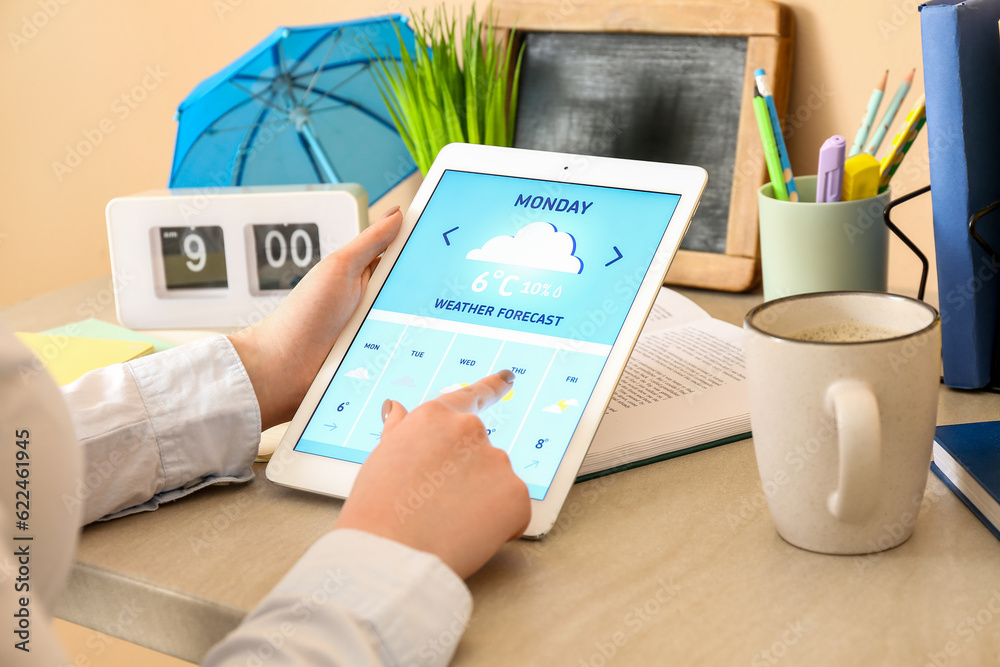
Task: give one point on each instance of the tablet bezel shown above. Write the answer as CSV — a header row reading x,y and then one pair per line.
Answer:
x,y
335,477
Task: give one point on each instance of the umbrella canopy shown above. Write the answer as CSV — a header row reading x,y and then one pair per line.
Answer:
x,y
300,107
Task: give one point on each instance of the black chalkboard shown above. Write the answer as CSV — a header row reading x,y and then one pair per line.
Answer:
x,y
659,80
664,98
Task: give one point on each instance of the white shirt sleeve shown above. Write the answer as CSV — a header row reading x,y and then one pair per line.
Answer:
x,y
163,426
354,599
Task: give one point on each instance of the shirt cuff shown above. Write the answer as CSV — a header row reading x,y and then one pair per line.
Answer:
x,y
413,603
204,417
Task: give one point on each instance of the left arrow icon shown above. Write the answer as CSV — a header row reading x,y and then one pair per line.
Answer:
x,y
445,235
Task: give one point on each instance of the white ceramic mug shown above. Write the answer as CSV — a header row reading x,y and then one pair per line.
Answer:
x,y
843,430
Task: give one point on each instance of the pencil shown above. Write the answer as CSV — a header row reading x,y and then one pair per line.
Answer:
x,y
901,144
779,137
890,114
869,118
770,149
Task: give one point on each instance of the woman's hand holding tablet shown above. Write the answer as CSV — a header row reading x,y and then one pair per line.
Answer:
x,y
282,353
540,263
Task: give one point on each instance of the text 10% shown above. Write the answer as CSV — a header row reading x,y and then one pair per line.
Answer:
x,y
511,282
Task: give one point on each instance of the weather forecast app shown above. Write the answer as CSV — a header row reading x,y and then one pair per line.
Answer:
x,y
499,272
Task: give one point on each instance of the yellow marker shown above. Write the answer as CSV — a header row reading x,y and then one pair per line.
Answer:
x,y
861,174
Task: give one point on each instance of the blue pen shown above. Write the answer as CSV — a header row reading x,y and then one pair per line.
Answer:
x,y
779,138
830,173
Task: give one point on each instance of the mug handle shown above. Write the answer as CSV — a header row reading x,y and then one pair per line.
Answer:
x,y
859,443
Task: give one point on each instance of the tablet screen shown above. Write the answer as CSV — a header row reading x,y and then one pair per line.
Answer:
x,y
499,272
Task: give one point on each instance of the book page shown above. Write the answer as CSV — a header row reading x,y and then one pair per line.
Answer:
x,y
678,378
678,362
672,309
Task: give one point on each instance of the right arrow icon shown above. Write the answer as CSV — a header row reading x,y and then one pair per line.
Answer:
x,y
617,252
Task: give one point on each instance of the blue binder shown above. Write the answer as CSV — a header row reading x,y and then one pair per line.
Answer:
x,y
961,59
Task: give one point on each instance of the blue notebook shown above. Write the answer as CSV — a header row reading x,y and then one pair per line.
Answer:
x,y
961,59
967,459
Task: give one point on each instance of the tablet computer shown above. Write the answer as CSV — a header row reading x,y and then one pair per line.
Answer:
x,y
543,263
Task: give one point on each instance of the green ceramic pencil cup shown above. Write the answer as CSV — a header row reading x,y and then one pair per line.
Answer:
x,y
810,247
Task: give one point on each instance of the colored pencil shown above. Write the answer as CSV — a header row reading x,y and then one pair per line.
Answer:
x,y
869,118
770,149
779,137
890,114
901,144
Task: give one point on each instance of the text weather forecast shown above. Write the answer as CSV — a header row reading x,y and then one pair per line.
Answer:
x,y
499,272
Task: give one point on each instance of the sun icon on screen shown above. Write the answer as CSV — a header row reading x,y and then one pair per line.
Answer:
x,y
560,407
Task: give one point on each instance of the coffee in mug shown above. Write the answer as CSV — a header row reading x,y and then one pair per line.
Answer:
x,y
846,331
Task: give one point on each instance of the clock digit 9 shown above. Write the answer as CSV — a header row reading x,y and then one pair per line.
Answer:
x,y
193,257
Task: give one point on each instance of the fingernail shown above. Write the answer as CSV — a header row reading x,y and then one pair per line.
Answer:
x,y
386,409
507,376
390,212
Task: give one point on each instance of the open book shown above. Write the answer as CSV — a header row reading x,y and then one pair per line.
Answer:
x,y
683,389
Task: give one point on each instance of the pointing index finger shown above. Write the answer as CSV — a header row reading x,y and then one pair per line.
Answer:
x,y
481,395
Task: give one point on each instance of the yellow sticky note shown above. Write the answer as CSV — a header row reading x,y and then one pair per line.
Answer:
x,y
861,174
67,358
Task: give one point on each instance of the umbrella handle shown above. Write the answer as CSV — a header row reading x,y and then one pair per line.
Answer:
x,y
319,155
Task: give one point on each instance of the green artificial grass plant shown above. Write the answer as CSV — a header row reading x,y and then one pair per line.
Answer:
x,y
437,95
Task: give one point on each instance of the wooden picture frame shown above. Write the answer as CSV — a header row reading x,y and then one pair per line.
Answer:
x,y
768,30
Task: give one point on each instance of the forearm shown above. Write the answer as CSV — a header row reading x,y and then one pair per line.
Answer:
x,y
277,389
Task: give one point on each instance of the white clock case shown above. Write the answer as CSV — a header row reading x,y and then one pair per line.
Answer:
x,y
141,299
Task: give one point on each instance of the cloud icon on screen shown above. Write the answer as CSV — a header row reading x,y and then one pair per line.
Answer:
x,y
560,406
538,245
359,373
453,387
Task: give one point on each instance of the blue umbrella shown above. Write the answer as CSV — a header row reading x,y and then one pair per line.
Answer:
x,y
300,107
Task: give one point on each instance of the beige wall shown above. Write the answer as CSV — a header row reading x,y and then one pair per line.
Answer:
x,y
65,65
